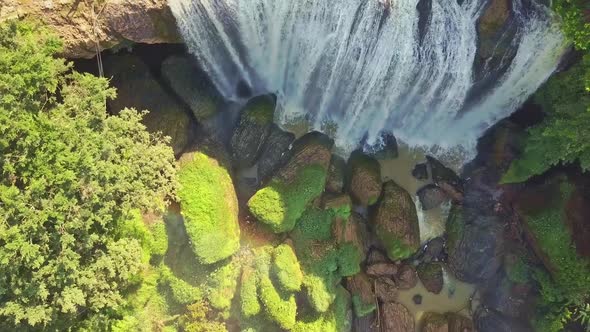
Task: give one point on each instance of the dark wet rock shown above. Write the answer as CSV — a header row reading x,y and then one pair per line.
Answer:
x,y
488,320
367,323
275,152
376,256
406,277
446,179
386,290
251,131
417,299
431,196
459,323
507,298
335,182
364,179
191,85
382,270
246,188
434,322
311,149
385,148
137,88
395,222
433,251
420,171
396,318
431,275
474,246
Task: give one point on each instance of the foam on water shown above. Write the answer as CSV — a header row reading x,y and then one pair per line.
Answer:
x,y
356,67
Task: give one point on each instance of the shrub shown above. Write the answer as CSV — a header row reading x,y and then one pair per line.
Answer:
x,y
222,285
209,206
349,260
279,205
336,319
197,319
249,303
181,291
286,268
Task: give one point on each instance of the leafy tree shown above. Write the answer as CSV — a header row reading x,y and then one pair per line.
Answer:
x,y
70,178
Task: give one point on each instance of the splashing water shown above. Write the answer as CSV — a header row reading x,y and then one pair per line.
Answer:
x,y
361,68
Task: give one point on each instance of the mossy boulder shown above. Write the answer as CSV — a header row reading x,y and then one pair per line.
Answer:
x,y
191,85
286,269
364,174
448,322
209,207
335,182
252,130
298,183
363,297
396,318
395,222
431,275
137,88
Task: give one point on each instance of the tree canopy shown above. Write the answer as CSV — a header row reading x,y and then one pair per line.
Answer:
x,y
71,178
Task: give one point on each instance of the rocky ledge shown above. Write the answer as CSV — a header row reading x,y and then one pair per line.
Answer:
x,y
86,24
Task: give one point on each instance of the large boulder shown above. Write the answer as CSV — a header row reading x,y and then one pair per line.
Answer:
x,y
137,88
406,277
120,21
209,205
363,297
395,222
252,130
475,245
313,148
449,322
386,290
431,196
364,173
275,153
396,318
191,85
431,275
446,179
488,320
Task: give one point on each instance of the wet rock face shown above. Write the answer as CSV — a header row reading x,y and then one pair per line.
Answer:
x,y
433,251
335,182
275,153
395,222
382,270
431,196
137,88
420,171
191,85
396,318
431,275
365,179
138,21
252,130
488,320
446,179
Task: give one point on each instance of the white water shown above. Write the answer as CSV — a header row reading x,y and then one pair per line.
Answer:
x,y
349,63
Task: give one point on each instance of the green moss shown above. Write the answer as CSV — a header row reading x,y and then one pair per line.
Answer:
x,y
395,248
260,110
337,319
286,269
209,206
249,304
519,272
222,285
159,245
349,260
279,307
361,308
455,227
280,204
181,291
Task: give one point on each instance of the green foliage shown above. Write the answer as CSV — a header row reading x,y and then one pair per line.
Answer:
x,y
336,319
249,303
279,205
159,244
70,175
396,249
568,284
519,272
182,292
286,269
198,319
575,21
349,260
209,206
260,110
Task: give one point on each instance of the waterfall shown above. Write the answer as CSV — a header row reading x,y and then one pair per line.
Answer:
x,y
358,68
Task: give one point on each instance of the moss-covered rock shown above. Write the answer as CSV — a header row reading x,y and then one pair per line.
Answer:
x,y
286,269
431,275
337,319
364,174
252,130
396,318
335,182
209,207
396,222
363,298
275,153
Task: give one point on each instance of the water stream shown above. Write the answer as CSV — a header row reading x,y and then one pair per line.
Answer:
x,y
358,68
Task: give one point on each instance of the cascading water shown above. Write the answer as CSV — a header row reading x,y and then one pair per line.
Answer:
x,y
368,66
